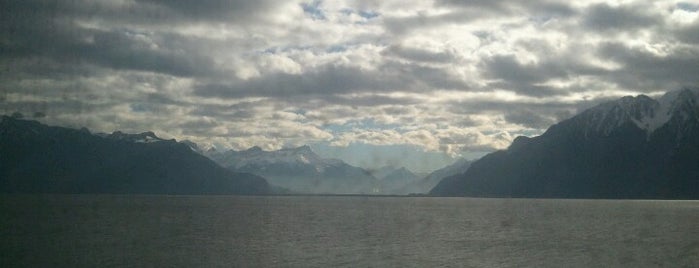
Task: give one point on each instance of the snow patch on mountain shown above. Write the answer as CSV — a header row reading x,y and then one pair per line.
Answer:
x,y
644,112
144,137
255,156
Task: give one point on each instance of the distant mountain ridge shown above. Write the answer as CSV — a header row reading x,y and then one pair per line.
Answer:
x,y
634,147
424,185
36,158
300,170
144,137
393,180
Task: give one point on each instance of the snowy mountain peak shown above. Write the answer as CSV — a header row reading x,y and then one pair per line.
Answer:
x,y
255,156
192,146
299,169
608,116
642,111
144,137
684,101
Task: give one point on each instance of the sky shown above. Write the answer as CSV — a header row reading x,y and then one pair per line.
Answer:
x,y
404,83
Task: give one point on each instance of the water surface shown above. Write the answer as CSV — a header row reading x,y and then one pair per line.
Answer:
x,y
325,231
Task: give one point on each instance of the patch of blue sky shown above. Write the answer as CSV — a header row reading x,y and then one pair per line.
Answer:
x,y
346,11
313,10
338,48
139,107
282,49
529,132
688,6
367,14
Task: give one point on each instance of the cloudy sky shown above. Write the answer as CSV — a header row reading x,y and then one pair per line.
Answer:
x,y
402,82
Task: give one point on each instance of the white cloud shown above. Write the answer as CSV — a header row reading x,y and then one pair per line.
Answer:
x,y
449,76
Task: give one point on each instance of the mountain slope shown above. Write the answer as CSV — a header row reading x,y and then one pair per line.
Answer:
x,y
39,158
635,147
394,180
425,184
299,170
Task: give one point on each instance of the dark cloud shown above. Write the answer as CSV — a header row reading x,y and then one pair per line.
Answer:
x,y
324,81
520,77
530,78
603,17
537,115
162,98
333,80
509,69
220,68
643,70
502,7
44,38
415,77
420,55
371,100
476,4
212,9
465,11
199,127
529,119
140,12
403,25
689,33
123,50
234,112
54,108
462,12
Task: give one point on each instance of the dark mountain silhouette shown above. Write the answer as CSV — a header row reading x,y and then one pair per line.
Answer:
x,y
634,147
300,170
36,158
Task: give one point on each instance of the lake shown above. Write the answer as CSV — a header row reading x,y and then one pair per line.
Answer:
x,y
344,231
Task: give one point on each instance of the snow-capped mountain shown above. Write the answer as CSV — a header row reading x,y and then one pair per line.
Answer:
x,y
144,137
634,147
642,111
255,157
300,170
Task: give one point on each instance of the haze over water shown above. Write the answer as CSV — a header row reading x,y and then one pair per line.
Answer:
x,y
229,231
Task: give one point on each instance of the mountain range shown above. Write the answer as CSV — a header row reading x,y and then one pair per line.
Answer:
x,y
394,180
36,158
300,170
634,147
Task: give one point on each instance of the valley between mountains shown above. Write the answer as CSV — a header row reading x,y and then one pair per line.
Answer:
x,y
633,147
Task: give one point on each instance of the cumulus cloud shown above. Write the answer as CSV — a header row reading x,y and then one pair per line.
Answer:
x,y
455,77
